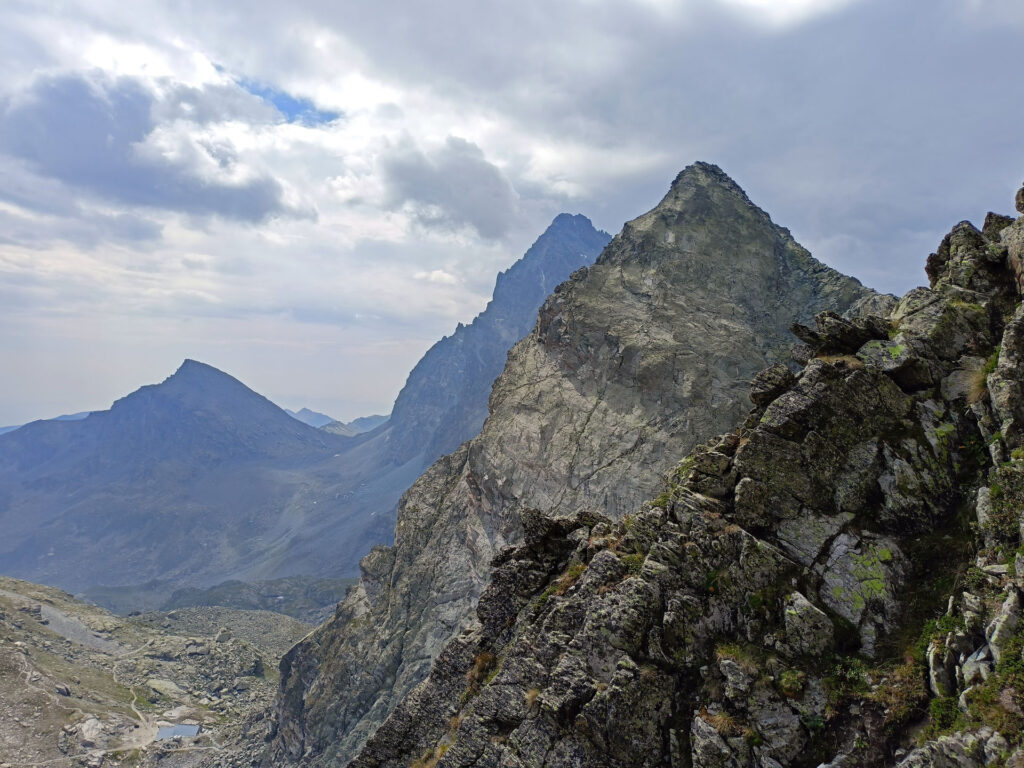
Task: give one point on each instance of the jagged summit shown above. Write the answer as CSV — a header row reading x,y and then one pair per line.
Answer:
x,y
569,222
632,362
704,189
444,401
704,174
838,581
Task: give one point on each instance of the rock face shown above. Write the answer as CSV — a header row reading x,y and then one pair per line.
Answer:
x,y
631,363
806,591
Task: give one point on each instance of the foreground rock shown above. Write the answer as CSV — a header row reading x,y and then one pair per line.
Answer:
x,y
630,364
807,591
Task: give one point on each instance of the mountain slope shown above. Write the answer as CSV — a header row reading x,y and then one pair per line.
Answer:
x,y
630,363
442,404
80,687
837,582
176,480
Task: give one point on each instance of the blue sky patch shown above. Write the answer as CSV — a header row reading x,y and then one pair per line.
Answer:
x,y
295,110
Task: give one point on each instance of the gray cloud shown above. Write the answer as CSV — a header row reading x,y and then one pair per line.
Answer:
x,y
86,132
212,104
86,232
452,187
904,106
868,131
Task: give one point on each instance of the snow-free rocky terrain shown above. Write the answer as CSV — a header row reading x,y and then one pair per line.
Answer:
x,y
82,687
632,362
837,581
729,509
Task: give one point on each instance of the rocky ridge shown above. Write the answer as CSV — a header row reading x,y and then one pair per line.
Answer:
x,y
444,400
631,362
838,582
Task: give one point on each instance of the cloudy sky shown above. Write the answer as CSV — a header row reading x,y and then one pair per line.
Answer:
x,y
308,194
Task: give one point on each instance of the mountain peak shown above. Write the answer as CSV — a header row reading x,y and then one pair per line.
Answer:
x,y
444,401
701,184
570,221
190,367
192,374
704,174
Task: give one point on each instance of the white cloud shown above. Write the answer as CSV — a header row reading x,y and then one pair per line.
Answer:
x,y
437,276
784,12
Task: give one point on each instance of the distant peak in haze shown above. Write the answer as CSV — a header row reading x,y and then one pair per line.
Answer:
x,y
568,225
570,220
312,418
194,368
444,400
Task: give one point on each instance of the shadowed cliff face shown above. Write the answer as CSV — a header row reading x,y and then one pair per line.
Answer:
x,y
632,362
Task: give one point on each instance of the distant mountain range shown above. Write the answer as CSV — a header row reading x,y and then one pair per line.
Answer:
x,y
356,426
65,417
190,478
312,418
199,480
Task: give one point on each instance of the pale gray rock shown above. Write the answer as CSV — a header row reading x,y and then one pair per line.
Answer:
x,y
707,748
805,537
973,749
1004,625
737,681
808,629
977,667
779,725
860,580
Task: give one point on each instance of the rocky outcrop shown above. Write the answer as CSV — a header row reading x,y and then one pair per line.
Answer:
x,y
799,595
631,363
